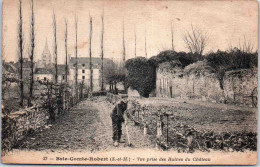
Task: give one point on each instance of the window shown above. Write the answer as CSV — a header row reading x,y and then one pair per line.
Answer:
x,y
63,77
38,78
83,77
83,71
83,65
45,78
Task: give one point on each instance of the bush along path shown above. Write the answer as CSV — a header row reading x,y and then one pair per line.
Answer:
x,y
86,127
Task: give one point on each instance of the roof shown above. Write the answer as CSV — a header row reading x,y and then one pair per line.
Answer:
x,y
61,69
43,71
96,61
85,60
26,63
51,70
9,67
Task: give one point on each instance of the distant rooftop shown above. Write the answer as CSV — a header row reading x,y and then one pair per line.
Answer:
x,y
96,61
43,71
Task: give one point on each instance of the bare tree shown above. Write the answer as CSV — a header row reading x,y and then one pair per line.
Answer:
x,y
124,57
76,54
123,42
145,44
113,74
20,52
102,52
66,50
5,83
3,53
245,46
196,40
90,54
32,35
172,35
55,46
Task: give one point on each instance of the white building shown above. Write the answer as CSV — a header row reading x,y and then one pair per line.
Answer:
x,y
84,71
43,74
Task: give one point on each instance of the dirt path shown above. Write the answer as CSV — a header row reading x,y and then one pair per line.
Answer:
x,y
87,127
138,140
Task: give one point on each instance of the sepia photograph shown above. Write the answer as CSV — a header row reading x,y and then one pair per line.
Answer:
x,y
131,82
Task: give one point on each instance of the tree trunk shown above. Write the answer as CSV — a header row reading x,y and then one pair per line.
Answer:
x,y
90,56
76,53
20,48
50,102
32,59
102,54
55,47
66,51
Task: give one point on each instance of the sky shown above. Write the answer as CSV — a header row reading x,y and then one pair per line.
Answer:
x,y
225,22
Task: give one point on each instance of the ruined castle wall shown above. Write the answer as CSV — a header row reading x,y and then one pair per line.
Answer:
x,y
238,85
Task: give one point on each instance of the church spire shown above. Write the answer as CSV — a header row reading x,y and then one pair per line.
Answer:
x,y
46,55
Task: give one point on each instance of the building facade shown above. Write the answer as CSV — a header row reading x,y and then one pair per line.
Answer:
x,y
84,72
45,70
43,74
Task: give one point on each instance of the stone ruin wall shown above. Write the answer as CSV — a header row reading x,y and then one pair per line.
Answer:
x,y
19,124
238,86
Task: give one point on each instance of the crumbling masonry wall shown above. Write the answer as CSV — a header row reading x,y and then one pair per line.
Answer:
x,y
238,86
17,125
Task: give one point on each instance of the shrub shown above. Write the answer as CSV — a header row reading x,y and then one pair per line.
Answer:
x,y
222,61
169,55
140,75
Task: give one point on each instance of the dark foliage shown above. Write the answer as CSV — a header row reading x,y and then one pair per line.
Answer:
x,y
169,55
141,75
222,61
233,60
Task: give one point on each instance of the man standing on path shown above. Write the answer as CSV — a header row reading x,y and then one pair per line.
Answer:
x,y
117,116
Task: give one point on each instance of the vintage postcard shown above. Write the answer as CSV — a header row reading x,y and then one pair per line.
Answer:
x,y
129,82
